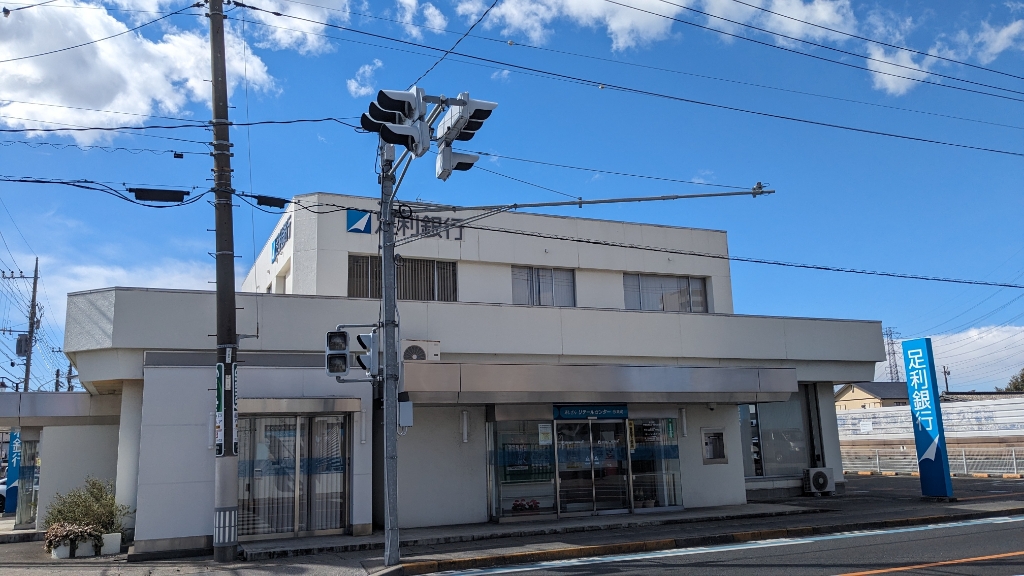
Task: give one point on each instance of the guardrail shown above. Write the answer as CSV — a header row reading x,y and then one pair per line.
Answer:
x,y
965,461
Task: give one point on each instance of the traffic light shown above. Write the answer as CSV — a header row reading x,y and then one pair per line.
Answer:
x,y
369,359
448,160
398,116
462,122
336,351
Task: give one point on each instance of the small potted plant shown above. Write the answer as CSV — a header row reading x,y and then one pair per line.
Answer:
x,y
85,514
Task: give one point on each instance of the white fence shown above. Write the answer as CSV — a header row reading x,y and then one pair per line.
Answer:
x,y
961,460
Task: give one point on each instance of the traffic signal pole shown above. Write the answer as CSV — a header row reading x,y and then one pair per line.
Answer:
x,y
225,499
389,295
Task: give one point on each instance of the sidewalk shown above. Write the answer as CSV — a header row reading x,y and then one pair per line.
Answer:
x,y
871,502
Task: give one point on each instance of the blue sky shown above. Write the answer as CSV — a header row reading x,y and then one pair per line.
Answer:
x,y
844,198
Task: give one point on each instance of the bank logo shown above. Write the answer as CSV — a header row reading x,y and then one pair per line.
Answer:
x,y
358,221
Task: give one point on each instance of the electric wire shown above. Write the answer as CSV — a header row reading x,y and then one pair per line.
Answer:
x,y
87,148
4,101
65,49
454,46
880,43
812,43
650,93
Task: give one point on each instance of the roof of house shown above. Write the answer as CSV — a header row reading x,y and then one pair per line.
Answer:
x,y
881,390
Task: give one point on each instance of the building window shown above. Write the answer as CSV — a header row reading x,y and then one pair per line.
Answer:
x,y
775,436
714,446
418,279
665,293
899,403
543,286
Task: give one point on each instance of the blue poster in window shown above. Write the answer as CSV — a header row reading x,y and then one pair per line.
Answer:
x,y
13,471
926,415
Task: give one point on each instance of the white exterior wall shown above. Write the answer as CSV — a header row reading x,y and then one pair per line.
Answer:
x,y
175,486
70,454
711,484
317,254
441,479
830,431
128,437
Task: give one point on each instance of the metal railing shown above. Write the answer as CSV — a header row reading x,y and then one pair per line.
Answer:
x,y
961,460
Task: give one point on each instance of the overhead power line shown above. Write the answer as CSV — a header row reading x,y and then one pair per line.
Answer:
x,y
825,46
178,118
879,42
178,126
648,93
143,25
84,148
454,46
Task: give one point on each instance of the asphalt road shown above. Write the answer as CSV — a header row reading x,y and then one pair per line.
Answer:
x,y
992,546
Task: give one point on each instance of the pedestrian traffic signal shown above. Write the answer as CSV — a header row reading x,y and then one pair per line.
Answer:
x,y
448,160
398,116
369,358
336,352
461,122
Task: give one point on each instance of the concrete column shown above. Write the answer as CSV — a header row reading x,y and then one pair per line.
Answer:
x,y
127,484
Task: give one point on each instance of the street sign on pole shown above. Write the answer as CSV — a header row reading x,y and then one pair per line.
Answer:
x,y
926,418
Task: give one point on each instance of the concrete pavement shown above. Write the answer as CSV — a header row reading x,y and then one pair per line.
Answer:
x,y
871,502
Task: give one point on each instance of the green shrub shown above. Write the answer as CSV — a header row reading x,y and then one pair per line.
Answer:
x,y
90,505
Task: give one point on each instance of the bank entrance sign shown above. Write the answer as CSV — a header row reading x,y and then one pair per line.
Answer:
x,y
926,416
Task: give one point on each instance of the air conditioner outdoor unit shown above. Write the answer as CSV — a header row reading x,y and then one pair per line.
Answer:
x,y
421,350
819,480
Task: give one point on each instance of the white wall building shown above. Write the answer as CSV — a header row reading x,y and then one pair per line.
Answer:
x,y
570,378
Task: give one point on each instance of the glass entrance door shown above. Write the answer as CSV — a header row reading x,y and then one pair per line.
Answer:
x,y
291,475
593,466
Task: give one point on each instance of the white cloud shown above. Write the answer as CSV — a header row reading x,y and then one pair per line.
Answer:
x,y
433,19
991,42
978,359
628,28
501,75
362,84
128,73
892,84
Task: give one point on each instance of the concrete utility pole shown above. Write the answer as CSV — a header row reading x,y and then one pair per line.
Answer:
x,y
389,295
945,376
31,328
225,499
69,376
56,381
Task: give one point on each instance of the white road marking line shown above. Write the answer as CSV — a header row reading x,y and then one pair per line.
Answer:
x,y
552,565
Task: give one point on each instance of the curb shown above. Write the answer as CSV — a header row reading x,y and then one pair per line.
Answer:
x,y
916,474
430,566
26,536
517,533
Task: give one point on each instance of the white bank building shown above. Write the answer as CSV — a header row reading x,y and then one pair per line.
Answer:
x,y
550,377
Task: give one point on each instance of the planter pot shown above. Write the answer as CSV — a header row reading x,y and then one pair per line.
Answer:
x,y
61,552
83,550
648,503
111,543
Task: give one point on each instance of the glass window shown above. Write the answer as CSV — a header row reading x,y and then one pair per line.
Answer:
x,y
631,286
524,468
664,293
654,451
776,437
417,279
543,286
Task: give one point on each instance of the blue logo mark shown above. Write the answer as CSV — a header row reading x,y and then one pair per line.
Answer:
x,y
359,222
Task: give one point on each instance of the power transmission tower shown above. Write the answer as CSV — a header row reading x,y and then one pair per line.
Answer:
x,y
225,499
892,354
